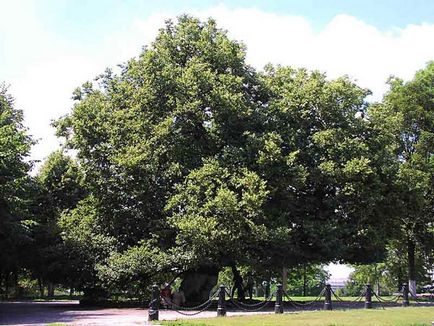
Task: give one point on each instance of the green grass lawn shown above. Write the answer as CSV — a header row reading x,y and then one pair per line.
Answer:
x,y
307,299
412,316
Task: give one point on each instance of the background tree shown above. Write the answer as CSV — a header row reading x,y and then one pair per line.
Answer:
x,y
388,276
406,117
59,182
84,246
307,279
15,190
326,169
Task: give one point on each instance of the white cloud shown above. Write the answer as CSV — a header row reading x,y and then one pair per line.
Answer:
x,y
43,68
346,45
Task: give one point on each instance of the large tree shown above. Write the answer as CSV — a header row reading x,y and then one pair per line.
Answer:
x,y
406,118
193,158
187,97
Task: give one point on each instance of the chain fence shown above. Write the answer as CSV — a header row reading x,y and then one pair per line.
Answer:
x,y
327,295
250,307
302,305
190,311
349,303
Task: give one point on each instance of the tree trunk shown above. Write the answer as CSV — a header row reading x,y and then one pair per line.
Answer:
x,y
50,290
285,279
6,285
197,284
378,290
1,286
16,286
377,281
41,287
304,280
411,249
238,282
400,279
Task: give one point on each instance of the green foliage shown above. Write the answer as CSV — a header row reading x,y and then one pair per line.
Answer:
x,y
189,157
307,280
84,247
143,131
134,269
214,209
61,180
406,119
192,151
16,188
329,168
389,276
57,189
188,97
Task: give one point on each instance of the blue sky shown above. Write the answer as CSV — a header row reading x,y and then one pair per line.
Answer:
x,y
49,47
75,16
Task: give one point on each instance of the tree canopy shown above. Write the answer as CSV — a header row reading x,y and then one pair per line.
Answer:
x,y
406,118
188,160
192,150
15,187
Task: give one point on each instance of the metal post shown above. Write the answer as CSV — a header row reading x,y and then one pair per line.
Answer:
x,y
221,307
278,306
154,304
368,297
405,301
328,297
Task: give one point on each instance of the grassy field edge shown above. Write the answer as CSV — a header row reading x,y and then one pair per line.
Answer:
x,y
412,316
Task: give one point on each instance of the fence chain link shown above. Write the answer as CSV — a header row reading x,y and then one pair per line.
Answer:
x,y
250,307
379,301
393,300
304,304
182,310
356,300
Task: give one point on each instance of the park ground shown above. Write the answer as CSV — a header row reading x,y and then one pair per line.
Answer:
x,y
421,316
70,313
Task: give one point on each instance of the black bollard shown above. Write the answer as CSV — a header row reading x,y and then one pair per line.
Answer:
x,y
405,301
221,306
368,297
154,304
328,297
278,306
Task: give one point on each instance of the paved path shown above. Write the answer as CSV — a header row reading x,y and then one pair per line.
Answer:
x,y
69,312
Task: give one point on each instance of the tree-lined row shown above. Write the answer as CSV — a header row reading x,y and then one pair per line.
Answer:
x,y
189,160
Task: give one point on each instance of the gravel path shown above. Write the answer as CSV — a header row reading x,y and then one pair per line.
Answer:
x,y
69,312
